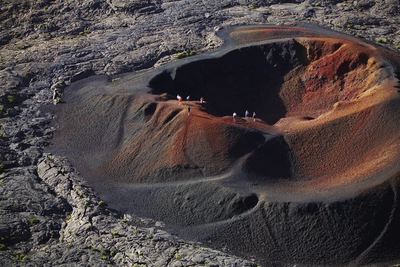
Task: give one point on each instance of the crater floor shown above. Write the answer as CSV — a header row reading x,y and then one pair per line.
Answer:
x,y
311,180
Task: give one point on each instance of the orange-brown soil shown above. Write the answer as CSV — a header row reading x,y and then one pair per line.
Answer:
x,y
323,149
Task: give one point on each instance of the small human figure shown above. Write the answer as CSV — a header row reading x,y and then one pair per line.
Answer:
x,y
188,98
201,100
188,110
179,99
254,116
234,116
246,114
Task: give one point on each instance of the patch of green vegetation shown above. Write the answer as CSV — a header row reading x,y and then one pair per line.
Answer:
x,y
21,46
172,254
11,99
379,40
101,203
33,220
103,251
114,233
185,54
1,168
78,193
3,247
19,256
85,31
175,254
149,237
123,221
251,6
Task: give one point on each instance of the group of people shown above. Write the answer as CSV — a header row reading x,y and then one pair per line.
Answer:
x,y
246,115
179,97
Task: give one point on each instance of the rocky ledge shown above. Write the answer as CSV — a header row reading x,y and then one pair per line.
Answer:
x,y
49,215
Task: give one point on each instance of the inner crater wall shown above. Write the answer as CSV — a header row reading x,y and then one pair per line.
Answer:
x,y
287,78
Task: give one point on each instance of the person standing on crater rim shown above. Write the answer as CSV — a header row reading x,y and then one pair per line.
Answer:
x,y
246,114
254,116
179,99
188,109
234,116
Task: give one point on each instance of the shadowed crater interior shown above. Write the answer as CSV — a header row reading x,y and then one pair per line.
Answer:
x,y
276,80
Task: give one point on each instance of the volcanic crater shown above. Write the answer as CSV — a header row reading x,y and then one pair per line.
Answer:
x,y
312,179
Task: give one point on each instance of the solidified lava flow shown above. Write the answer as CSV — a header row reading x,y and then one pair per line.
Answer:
x,y
312,179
